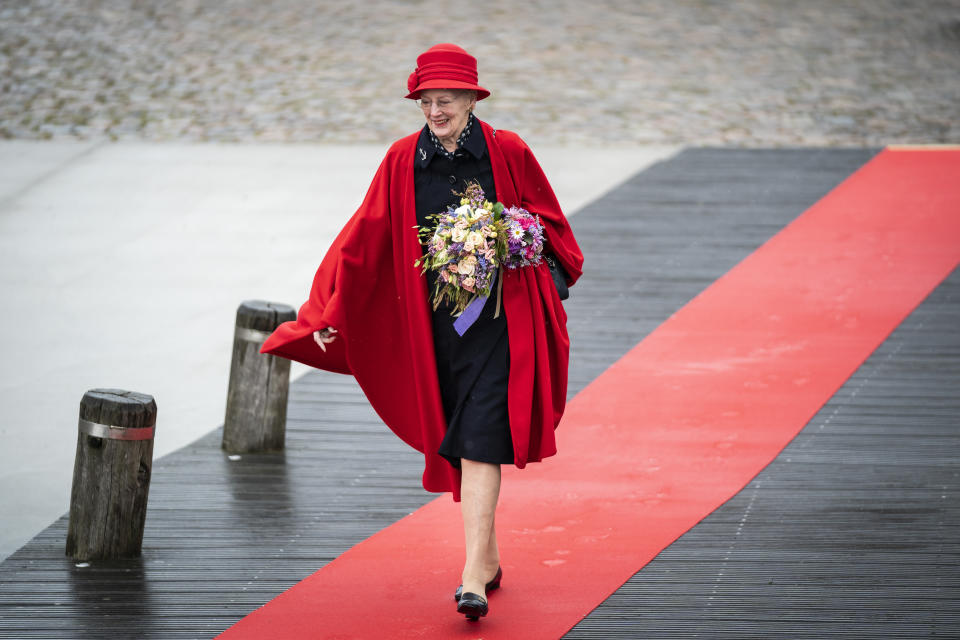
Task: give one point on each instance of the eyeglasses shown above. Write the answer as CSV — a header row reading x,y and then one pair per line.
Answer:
x,y
443,104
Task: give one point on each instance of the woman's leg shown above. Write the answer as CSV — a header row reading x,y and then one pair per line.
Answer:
x,y
479,492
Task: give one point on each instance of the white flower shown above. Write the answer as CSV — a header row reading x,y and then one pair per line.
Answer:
x,y
475,238
467,266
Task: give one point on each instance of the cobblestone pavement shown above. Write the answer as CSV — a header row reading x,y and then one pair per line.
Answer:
x,y
749,72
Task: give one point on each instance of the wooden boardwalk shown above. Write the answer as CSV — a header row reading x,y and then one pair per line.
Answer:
x,y
851,531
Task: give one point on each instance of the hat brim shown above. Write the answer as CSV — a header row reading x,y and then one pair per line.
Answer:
x,y
447,84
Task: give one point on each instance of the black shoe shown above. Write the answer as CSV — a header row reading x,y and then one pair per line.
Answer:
x,y
493,584
472,606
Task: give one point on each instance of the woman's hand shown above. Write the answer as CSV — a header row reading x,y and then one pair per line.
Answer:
x,y
325,337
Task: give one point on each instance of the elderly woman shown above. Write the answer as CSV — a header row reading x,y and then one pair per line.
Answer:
x,y
469,402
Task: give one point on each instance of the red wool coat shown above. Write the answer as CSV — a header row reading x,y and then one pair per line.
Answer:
x,y
368,288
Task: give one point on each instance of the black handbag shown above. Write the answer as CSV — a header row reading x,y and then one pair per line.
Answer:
x,y
559,276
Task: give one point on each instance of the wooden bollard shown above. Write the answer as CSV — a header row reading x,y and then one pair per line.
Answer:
x,y
111,474
256,418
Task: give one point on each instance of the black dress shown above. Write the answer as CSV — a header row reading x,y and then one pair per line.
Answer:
x,y
473,369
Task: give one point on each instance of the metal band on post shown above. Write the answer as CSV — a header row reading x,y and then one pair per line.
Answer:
x,y
116,433
252,335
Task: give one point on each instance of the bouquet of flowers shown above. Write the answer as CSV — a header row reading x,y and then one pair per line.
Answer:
x,y
468,243
524,235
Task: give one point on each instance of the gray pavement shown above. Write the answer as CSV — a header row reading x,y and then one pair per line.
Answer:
x,y
122,265
745,72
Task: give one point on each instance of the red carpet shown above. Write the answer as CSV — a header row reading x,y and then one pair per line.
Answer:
x,y
667,434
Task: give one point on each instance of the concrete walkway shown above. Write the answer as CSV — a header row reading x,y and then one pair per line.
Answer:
x,y
122,265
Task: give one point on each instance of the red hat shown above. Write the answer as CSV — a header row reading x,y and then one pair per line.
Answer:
x,y
444,66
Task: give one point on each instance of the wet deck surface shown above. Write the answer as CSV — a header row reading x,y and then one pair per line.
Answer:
x,y
851,531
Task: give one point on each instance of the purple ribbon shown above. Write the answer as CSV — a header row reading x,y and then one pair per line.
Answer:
x,y
469,315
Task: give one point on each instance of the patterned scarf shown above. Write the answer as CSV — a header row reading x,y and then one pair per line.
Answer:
x,y
463,138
